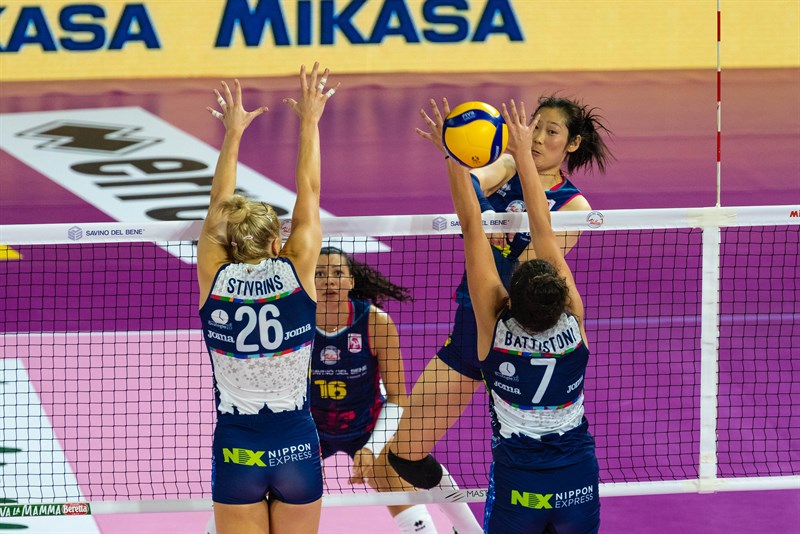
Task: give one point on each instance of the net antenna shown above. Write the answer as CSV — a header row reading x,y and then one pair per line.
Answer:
x,y
719,104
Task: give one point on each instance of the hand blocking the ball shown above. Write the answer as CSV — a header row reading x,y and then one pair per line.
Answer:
x,y
473,133
520,132
435,124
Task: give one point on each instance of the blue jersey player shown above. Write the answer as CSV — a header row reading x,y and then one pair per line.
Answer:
x,y
533,351
357,380
258,313
567,138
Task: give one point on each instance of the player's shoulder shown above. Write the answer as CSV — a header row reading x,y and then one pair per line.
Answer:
x,y
381,321
378,315
508,165
577,203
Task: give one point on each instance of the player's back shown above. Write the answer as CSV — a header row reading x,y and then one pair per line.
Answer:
x,y
258,324
535,381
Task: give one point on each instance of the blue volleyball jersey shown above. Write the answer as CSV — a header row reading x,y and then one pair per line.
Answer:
x,y
535,382
345,378
259,323
508,199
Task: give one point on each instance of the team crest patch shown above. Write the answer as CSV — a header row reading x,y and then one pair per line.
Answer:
x,y
330,355
516,206
354,342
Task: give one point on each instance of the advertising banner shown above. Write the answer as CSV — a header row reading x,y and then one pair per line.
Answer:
x,y
62,39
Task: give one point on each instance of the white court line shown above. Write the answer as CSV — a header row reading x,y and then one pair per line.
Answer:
x,y
40,471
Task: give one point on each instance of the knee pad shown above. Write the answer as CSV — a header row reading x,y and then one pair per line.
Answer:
x,y
424,474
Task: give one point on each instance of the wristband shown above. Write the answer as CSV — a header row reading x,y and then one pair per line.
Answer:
x,y
385,427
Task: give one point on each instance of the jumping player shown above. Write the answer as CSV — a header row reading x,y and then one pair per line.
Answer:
x,y
566,139
533,351
258,312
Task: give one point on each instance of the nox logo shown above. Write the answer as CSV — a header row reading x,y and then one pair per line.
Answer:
x,y
243,457
88,137
531,500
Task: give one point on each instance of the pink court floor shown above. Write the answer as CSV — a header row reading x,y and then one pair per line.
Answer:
x,y
664,142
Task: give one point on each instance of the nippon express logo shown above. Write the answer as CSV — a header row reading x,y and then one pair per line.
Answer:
x,y
564,499
75,233
439,224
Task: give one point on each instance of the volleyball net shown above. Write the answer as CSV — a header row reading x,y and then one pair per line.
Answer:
x,y
691,316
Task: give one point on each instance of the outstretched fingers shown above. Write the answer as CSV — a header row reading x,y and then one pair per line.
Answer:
x,y
445,107
435,123
258,111
332,91
436,114
514,113
317,87
232,114
312,83
214,113
523,115
220,100
303,80
228,96
313,94
515,116
520,133
509,113
238,87
323,80
429,121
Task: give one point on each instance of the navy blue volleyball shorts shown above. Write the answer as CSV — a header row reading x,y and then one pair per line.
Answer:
x,y
275,456
460,351
563,500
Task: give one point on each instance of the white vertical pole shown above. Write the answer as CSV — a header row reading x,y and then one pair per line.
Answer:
x,y
709,362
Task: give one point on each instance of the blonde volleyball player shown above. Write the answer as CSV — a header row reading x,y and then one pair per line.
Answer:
x,y
356,350
258,313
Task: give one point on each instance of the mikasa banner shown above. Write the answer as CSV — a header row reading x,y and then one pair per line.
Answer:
x,y
61,39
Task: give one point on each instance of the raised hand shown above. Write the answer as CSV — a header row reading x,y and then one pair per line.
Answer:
x,y
313,95
520,133
233,115
435,124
